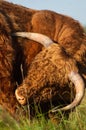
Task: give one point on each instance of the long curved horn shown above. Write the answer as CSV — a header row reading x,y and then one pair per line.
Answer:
x,y
77,80
73,76
43,39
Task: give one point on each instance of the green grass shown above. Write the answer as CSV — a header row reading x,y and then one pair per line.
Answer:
x,y
76,121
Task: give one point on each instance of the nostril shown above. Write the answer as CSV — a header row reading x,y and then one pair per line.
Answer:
x,y
21,99
19,96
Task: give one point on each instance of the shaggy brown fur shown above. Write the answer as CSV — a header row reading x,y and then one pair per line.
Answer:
x,y
47,79
62,29
7,69
7,83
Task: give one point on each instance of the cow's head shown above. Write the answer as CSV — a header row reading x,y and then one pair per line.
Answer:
x,y
73,76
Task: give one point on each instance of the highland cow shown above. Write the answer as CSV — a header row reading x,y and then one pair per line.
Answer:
x,y
62,29
49,74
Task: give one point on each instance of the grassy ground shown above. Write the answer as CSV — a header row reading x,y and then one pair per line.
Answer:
x,y
76,121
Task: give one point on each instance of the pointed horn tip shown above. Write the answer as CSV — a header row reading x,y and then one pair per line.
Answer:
x,y
79,84
16,34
